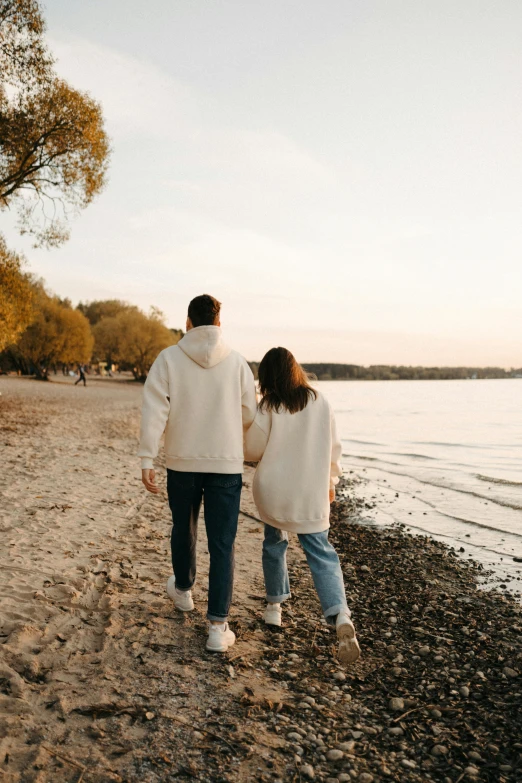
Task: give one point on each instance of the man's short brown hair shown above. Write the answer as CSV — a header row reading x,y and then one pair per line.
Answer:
x,y
204,310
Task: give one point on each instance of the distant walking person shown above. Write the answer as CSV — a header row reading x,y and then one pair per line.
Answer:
x,y
294,436
202,394
81,370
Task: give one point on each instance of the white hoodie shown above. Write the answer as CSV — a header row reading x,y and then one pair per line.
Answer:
x,y
300,462
202,394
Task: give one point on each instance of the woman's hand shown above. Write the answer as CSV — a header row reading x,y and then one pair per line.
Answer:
x,y
332,495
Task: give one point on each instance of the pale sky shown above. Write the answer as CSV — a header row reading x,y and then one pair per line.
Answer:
x,y
345,176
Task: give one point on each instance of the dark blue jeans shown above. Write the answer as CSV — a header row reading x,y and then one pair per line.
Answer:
x,y
221,493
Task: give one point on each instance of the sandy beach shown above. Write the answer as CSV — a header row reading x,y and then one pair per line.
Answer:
x,y
102,680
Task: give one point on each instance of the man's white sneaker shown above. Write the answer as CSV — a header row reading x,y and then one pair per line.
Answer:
x,y
182,598
349,649
272,615
220,637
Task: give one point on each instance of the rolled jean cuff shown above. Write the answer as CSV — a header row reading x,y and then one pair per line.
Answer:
x,y
331,614
277,599
213,618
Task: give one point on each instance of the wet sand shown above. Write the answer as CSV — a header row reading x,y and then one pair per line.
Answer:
x,y
101,679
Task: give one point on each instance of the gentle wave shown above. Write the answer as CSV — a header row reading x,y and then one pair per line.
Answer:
x,y
412,454
491,480
461,490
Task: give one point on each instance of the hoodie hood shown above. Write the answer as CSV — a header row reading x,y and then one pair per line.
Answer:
x,y
205,346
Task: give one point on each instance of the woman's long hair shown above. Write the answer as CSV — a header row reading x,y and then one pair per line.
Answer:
x,y
283,382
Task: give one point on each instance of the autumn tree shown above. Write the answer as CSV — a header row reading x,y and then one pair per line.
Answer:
x,y
53,146
58,334
16,297
133,339
24,58
104,308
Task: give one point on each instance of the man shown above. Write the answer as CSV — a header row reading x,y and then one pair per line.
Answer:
x,y
202,394
81,372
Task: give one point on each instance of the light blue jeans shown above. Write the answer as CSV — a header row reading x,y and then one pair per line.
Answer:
x,y
323,562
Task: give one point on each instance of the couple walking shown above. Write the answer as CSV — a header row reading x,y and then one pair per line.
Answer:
x,y
202,395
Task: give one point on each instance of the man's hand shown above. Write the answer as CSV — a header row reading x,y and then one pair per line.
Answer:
x,y
148,477
332,494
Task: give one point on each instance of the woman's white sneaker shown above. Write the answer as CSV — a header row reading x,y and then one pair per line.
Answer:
x,y
182,598
220,637
349,650
272,615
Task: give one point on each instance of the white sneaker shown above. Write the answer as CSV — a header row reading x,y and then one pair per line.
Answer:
x,y
272,615
220,637
182,598
349,649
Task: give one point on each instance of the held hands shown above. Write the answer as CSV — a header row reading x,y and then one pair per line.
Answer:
x,y
332,495
148,477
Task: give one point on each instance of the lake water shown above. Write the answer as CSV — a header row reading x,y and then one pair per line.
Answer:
x,y
443,457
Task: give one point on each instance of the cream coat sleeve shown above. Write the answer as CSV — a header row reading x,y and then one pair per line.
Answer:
x,y
248,397
255,442
154,412
337,450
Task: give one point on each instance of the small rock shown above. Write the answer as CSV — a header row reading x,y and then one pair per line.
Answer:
x,y
395,731
408,763
396,704
293,736
357,734
439,750
344,777
334,754
474,756
438,659
509,672
464,691
231,672
307,771
505,767
365,777
339,676
198,735
364,568
436,714
347,746
150,715
424,650
471,771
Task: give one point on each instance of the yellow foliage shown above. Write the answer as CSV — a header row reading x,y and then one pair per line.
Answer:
x,y
58,334
133,339
16,297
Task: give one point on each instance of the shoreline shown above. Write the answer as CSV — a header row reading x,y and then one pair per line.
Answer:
x,y
398,505
99,668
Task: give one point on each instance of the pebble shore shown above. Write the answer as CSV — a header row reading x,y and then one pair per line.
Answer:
x,y
437,694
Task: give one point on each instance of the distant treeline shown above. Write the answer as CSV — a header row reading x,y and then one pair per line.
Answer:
x,y
392,372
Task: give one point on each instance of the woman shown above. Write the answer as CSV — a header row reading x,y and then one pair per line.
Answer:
x,y
294,438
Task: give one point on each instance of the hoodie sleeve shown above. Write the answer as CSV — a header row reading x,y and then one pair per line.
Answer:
x,y
248,396
337,450
154,412
256,438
